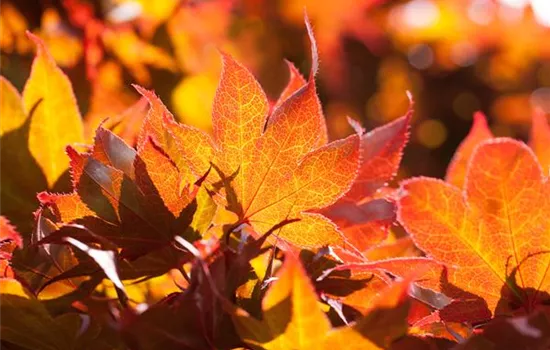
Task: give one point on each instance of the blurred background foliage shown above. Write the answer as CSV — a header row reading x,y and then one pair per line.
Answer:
x,y
455,56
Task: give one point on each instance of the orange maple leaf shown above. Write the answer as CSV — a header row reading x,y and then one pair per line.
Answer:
x,y
271,164
492,235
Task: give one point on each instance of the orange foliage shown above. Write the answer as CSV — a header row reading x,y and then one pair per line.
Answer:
x,y
256,231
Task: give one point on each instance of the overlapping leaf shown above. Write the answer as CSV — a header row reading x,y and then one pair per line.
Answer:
x,y
492,235
134,201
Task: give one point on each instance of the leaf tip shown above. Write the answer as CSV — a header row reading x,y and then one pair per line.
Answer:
x,y
480,120
314,49
35,38
356,126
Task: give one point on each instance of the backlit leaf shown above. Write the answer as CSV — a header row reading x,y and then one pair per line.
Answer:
x,y
381,152
295,82
492,235
293,294
271,165
56,120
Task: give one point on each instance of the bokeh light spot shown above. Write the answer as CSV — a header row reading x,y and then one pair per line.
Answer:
x,y
431,133
421,56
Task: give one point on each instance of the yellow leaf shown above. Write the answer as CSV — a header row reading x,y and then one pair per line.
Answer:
x,y
49,100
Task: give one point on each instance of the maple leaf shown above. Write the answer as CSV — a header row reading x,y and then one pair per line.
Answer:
x,y
292,317
431,208
295,82
99,178
491,235
158,123
271,164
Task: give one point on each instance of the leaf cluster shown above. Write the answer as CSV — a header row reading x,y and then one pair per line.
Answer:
x,y
264,235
